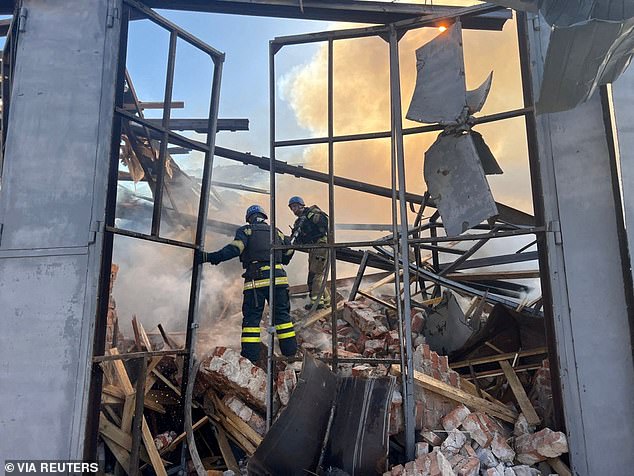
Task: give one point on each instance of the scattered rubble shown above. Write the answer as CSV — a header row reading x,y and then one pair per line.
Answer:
x,y
461,428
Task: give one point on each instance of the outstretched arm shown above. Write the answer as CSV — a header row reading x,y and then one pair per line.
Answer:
x,y
230,251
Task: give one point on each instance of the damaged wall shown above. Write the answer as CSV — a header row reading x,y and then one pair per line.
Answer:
x,y
586,275
51,205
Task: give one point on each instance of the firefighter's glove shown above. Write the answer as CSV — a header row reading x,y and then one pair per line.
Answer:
x,y
204,257
213,258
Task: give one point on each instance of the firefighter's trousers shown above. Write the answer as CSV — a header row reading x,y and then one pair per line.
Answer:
x,y
252,309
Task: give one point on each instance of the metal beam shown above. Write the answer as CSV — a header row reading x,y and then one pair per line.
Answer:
x,y
507,213
201,125
375,12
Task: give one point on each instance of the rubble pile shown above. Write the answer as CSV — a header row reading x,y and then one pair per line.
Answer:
x,y
365,329
472,443
492,419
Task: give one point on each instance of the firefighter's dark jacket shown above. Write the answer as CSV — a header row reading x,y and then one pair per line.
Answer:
x,y
252,245
312,224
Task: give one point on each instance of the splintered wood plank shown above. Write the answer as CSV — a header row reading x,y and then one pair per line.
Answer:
x,y
317,316
117,436
109,397
128,391
167,382
558,465
455,394
520,394
137,335
120,454
471,388
155,457
167,339
183,435
498,358
225,449
151,379
148,441
144,338
113,416
241,425
237,436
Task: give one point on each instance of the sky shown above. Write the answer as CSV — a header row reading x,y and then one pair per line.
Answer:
x,y
361,105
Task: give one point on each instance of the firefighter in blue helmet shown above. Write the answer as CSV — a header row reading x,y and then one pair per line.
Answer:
x,y
311,227
252,245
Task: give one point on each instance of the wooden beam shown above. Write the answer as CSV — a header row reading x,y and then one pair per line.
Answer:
x,y
225,449
116,435
317,316
235,433
167,382
377,300
520,394
559,466
114,395
120,454
137,355
242,426
183,435
148,441
471,388
455,394
144,337
128,392
151,378
498,358
155,458
497,373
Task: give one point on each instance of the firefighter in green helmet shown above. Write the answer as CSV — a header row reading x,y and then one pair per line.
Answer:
x,y
311,227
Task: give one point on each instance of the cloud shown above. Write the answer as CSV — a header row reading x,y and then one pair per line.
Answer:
x,y
361,104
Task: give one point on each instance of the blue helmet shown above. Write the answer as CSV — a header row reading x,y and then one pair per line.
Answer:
x,y
296,199
253,209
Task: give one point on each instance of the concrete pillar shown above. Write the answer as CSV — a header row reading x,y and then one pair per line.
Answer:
x,y
590,294
52,207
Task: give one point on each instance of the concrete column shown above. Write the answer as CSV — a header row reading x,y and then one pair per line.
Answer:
x,y
52,207
590,295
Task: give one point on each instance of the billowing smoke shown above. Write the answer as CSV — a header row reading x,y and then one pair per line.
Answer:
x,y
154,280
361,104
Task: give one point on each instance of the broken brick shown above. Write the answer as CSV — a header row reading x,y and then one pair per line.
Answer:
x,y
522,427
373,347
397,470
468,467
481,428
245,413
521,470
363,318
422,448
455,417
501,449
454,442
431,438
396,422
487,458
439,464
286,382
226,370
536,447
418,322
